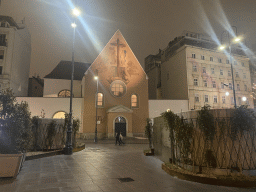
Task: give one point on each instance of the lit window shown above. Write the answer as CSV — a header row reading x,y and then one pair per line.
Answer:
x,y
215,100
195,82
100,100
245,87
64,93
196,98
206,99
193,55
223,99
230,86
59,115
221,71
238,87
118,88
229,73
213,84
205,83
227,61
211,58
202,57
204,70
134,100
219,60
194,68
212,69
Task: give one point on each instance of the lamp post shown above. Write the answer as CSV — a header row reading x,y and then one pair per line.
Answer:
x,y
68,150
96,131
222,47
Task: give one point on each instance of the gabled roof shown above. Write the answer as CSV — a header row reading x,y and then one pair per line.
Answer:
x,y
10,20
64,68
119,109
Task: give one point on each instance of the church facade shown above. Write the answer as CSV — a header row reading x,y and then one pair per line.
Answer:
x,y
121,102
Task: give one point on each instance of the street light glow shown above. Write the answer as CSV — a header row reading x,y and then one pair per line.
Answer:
x,y
227,93
76,12
237,39
244,98
73,25
222,47
96,77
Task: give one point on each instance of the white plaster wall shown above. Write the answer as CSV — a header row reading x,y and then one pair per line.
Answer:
x,y
52,105
156,107
53,86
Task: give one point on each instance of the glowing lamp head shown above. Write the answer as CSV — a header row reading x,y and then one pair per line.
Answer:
x,y
227,93
73,25
244,98
168,110
222,47
96,77
76,12
237,39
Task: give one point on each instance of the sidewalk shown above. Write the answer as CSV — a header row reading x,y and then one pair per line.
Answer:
x,y
102,167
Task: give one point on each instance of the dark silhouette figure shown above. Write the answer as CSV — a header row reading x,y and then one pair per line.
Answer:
x,y
121,139
118,137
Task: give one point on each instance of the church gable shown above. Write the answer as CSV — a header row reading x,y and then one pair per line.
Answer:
x,y
119,109
117,62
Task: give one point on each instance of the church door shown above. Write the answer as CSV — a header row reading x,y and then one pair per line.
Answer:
x,y
120,125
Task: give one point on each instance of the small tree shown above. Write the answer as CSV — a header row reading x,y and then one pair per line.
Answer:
x,y
15,124
148,133
76,125
51,132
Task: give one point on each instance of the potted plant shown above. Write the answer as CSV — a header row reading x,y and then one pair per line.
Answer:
x,y
15,134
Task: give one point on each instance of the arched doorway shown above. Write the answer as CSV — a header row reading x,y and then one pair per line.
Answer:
x,y
120,125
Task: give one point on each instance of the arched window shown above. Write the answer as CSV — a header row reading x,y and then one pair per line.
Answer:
x,y
100,100
64,93
134,101
59,115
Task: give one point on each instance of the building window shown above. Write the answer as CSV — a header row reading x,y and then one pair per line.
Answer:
x,y
211,58
219,60
1,54
193,55
221,71
118,88
238,87
237,75
213,84
100,100
239,101
232,100
230,86
1,70
204,70
2,39
244,76
205,83
206,99
59,115
223,99
215,100
202,57
64,93
134,100
196,98
245,87
194,68
222,85
227,61
242,63
212,69
195,82
229,73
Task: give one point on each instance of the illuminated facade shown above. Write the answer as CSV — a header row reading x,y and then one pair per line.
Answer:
x,y
191,68
15,51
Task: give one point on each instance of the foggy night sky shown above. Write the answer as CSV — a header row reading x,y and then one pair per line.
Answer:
x,y
147,25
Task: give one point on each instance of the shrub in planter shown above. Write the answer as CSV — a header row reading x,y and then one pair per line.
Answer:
x,y
15,129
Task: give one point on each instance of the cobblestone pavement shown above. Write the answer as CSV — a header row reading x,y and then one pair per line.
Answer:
x,y
97,168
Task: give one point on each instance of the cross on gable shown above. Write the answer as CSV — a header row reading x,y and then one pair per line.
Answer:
x,y
117,44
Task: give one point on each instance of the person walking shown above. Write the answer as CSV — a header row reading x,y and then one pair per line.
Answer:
x,y
118,137
121,139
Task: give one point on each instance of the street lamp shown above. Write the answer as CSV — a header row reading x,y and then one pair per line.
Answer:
x,y
222,47
96,138
68,150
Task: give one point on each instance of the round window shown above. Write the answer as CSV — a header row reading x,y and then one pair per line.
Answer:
x,y
118,88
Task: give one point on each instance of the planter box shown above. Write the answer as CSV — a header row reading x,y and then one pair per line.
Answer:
x,y
10,164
